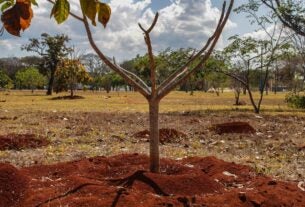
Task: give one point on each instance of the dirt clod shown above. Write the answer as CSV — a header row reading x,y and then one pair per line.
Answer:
x,y
233,127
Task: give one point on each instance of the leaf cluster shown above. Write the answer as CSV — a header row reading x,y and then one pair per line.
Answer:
x,y
17,14
30,78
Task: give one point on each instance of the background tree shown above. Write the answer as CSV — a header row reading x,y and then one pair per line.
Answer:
x,y
30,78
290,12
256,54
12,64
298,45
69,74
216,81
52,49
5,81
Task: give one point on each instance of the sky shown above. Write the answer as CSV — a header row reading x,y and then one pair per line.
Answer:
x,y
182,24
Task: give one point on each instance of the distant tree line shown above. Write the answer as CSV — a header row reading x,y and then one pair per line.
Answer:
x,y
287,72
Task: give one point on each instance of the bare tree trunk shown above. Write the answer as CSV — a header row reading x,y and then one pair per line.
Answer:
x,y
237,96
154,135
51,83
256,109
244,90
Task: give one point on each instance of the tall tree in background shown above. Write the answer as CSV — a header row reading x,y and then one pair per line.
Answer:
x,y
52,49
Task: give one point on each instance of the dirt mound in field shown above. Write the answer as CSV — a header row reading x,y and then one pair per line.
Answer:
x,y
165,135
233,127
21,141
124,181
67,98
12,185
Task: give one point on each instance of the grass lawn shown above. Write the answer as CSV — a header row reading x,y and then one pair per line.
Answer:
x,y
134,102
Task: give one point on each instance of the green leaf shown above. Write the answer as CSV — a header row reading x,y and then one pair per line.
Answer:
x,y
61,10
5,6
34,2
104,13
1,1
89,8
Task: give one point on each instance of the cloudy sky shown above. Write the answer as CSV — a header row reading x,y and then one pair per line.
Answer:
x,y
182,23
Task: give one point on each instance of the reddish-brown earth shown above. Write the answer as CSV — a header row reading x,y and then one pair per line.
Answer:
x,y
233,127
166,135
21,141
123,181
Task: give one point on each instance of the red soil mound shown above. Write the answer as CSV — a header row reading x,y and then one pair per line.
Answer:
x,y
21,141
165,135
12,185
123,181
233,127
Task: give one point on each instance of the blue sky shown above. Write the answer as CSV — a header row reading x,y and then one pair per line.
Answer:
x,y
182,23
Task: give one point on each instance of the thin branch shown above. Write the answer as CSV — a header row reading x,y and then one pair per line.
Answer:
x,y
234,76
152,25
137,78
290,24
150,54
176,73
144,91
176,81
184,68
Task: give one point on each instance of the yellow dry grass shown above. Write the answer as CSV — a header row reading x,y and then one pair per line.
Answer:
x,y
134,102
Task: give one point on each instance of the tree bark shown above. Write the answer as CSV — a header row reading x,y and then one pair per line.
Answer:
x,y
154,135
51,83
237,96
256,109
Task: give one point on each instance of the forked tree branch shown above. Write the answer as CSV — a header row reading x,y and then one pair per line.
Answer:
x,y
144,91
151,55
182,70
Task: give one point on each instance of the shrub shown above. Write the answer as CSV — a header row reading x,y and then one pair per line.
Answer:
x,y
295,101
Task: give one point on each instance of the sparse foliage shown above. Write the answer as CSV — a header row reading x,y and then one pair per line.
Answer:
x,y
290,12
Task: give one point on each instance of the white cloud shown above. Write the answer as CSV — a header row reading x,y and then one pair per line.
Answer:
x,y
6,44
275,31
184,23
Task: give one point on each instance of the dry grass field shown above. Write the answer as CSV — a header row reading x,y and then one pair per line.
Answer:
x,y
104,124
